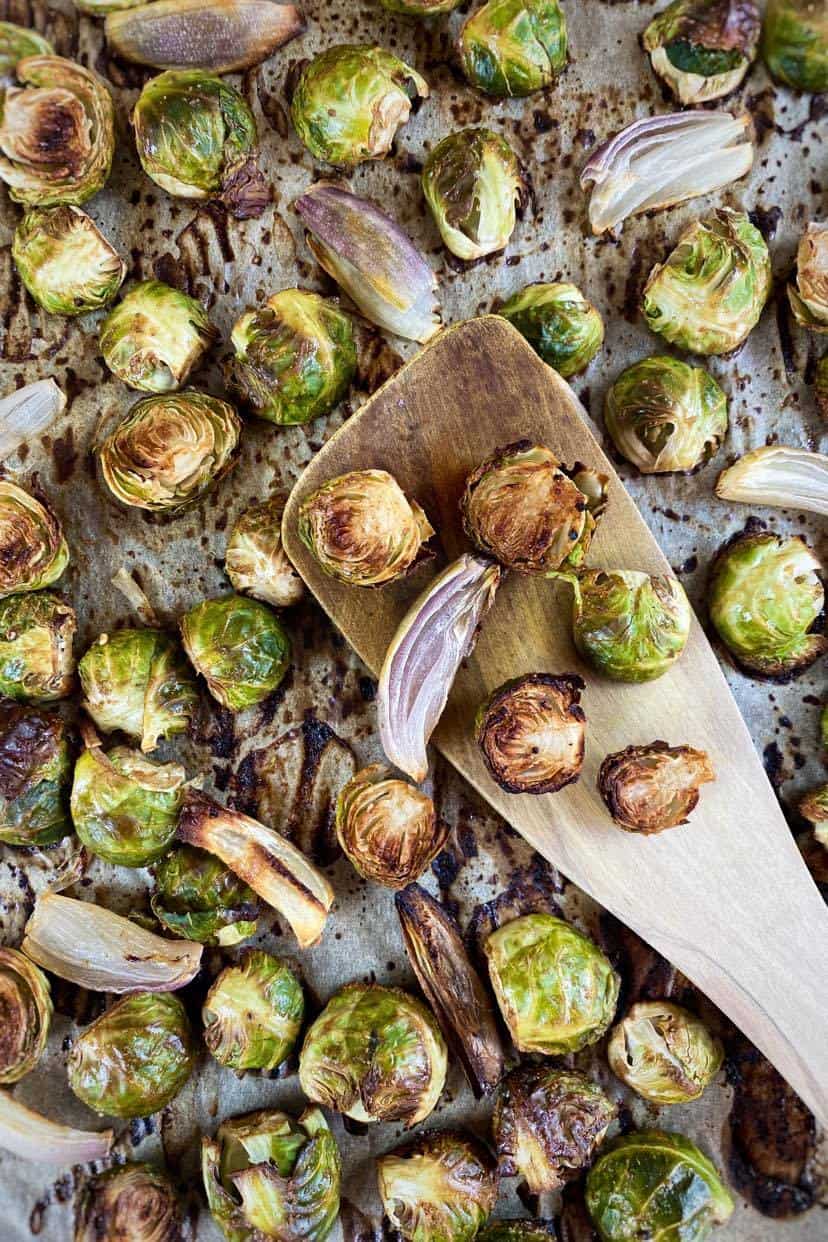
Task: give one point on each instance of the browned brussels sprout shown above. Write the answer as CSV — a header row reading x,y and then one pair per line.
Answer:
x,y
253,1013
33,551
664,1053
438,1187
197,897
650,788
255,560
388,827
475,185
703,48
35,774
809,296
37,632
130,1203
531,733
25,1014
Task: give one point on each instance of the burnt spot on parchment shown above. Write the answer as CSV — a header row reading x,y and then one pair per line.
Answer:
x,y
645,974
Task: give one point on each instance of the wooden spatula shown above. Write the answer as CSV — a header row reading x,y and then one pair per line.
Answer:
x,y
725,897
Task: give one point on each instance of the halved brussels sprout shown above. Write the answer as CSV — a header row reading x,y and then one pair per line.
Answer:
x,y
703,48
387,827
664,1053
295,357
57,132
708,294
170,450
809,296
65,261
664,415
17,43
155,336
362,528
253,1013
374,1054
255,561
556,990
197,897
26,1014
239,646
268,1176
529,512
350,101
440,1186
130,1203
514,47
420,8
33,551
547,1125
35,771
135,1058
814,808
652,1184
795,43
765,595
531,733
650,788
562,327
474,184
37,631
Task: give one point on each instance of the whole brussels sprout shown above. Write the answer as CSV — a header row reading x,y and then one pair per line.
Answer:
x,y
239,646
197,897
374,1054
33,551
65,261
362,528
387,828
170,450
268,1176
155,336
531,733
795,43
653,1184
664,1053
514,47
440,1186
665,416
26,1009
37,631
650,788
765,595
562,327
255,560
253,1013
129,1203
703,48
547,1125
135,1058
556,990
420,8
35,770
809,296
709,293
350,101
295,357
16,43
474,183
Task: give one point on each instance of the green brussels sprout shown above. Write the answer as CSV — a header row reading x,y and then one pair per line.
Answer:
x,y
170,450
438,1187
124,806
268,1176
295,357
814,806
26,1006
130,1203
387,828
239,646
200,899
648,789
420,8
253,1013
664,1053
135,1058
809,296
37,631
65,261
155,336
33,551
765,595
57,132
703,48
518,1231
562,327
709,293
556,990
35,771
16,43
362,528
514,47
666,416
652,1184
350,101
795,43
531,732
374,1054
255,560
474,184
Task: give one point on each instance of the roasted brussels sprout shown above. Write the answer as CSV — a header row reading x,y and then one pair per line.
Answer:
x,y
650,788
65,261
170,450
556,990
547,1125
25,1013
440,1186
814,808
37,631
474,184
809,296
388,828
529,512
155,336
268,1176
765,594
33,551
255,561
709,293
196,138
130,1203
514,47
16,43
239,646
664,1053
135,1058
350,101
703,48
562,327
57,132
374,1054
795,43
197,897
420,8
35,771
253,1013
654,1184
362,528
531,733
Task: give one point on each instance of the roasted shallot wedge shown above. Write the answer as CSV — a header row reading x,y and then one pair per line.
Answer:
x,y
780,476
27,412
33,1137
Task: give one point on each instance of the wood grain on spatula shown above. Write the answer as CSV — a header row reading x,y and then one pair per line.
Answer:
x,y
725,897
